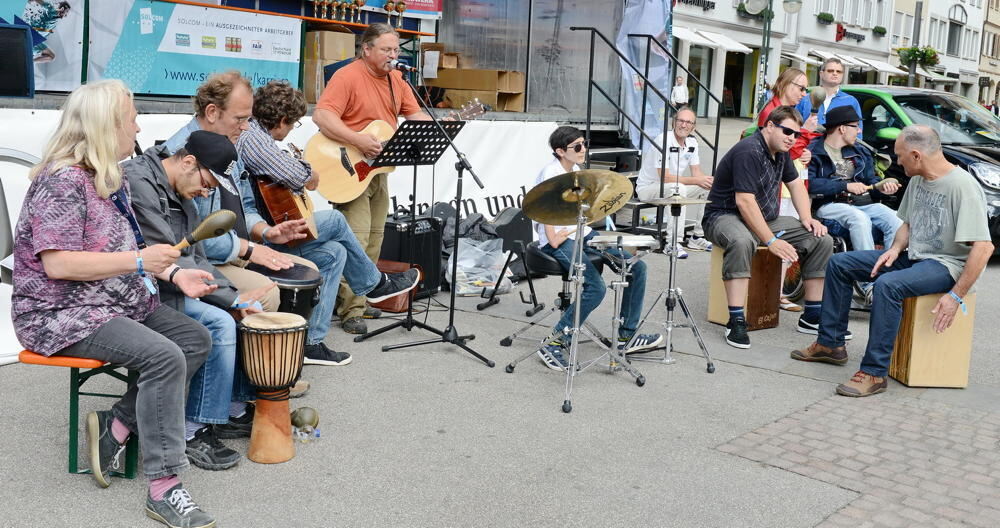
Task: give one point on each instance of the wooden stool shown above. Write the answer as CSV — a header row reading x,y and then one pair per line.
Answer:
x,y
761,304
925,358
76,380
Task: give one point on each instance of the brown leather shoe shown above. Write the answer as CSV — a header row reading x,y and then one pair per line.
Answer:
x,y
818,352
300,389
862,384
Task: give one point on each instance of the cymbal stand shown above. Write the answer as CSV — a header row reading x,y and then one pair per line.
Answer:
x,y
674,299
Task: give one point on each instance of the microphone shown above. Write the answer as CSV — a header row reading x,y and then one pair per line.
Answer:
x,y
401,66
818,96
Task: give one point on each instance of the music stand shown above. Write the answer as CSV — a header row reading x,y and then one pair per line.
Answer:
x,y
422,143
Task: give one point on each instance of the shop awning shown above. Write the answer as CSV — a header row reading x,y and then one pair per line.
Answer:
x,y
800,58
883,67
848,60
933,76
724,42
693,37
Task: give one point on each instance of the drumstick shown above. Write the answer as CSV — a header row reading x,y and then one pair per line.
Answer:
x,y
213,225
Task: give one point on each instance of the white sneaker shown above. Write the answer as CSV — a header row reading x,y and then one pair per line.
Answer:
x,y
699,244
681,254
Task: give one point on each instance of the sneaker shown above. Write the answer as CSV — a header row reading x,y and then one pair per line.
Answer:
x,y
640,343
552,355
736,333
787,305
862,384
699,244
236,427
206,451
299,390
823,354
320,354
371,313
681,254
806,327
395,284
105,451
177,510
354,325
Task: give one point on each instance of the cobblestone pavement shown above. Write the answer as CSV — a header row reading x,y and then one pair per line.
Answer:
x,y
913,463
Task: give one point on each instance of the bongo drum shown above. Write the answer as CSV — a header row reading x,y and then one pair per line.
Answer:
x,y
271,348
299,287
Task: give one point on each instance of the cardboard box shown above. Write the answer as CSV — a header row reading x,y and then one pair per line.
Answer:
x,y
496,101
484,80
313,80
329,45
450,61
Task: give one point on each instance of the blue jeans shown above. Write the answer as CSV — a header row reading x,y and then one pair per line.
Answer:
x,y
335,252
905,278
221,379
859,219
593,288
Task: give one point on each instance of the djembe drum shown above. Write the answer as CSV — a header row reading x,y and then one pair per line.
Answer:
x,y
299,287
271,347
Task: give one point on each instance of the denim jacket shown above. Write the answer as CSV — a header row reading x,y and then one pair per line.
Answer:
x,y
823,184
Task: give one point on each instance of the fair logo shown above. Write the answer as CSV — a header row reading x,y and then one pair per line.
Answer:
x,y
208,42
182,39
257,47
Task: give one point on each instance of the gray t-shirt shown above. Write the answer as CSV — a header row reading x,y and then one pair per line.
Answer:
x,y
944,214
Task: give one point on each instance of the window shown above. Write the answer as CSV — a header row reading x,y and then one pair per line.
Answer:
x,y
954,38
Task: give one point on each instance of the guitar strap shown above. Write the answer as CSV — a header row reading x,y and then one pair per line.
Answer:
x,y
234,204
392,96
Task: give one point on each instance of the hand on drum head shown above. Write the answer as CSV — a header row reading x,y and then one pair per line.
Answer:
x,y
159,257
270,258
191,281
287,231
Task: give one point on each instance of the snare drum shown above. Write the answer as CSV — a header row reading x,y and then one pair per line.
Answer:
x,y
272,347
299,286
640,242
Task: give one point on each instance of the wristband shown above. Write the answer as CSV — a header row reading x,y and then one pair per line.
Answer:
x,y
961,303
142,273
237,305
263,235
769,242
170,278
250,246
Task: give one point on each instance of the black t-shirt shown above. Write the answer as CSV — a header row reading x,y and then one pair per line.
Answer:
x,y
749,168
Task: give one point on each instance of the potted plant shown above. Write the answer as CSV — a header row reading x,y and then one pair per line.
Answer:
x,y
766,14
924,56
878,31
825,18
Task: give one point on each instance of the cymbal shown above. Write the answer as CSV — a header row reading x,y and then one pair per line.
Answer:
x,y
675,200
556,201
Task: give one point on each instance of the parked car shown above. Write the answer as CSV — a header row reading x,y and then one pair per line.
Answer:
x,y
970,134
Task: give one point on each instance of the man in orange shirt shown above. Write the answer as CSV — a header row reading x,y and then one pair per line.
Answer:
x,y
366,90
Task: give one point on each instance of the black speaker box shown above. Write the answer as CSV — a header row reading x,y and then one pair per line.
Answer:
x,y
425,249
17,69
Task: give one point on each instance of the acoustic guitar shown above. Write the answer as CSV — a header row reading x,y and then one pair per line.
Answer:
x,y
278,203
344,172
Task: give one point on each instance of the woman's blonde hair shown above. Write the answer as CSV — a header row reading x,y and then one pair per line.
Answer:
x,y
785,80
87,134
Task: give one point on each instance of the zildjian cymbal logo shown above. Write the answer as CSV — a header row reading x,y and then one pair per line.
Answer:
x,y
608,205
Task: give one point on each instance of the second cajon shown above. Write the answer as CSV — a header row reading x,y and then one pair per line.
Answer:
x,y
761,304
925,358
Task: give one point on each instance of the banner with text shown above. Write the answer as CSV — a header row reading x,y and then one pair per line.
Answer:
x,y
57,39
170,49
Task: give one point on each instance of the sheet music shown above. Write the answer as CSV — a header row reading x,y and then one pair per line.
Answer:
x,y
431,59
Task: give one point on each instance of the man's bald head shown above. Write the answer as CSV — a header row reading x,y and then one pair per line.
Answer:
x,y
921,138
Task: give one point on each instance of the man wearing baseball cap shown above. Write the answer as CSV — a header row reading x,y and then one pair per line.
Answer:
x,y
163,186
841,180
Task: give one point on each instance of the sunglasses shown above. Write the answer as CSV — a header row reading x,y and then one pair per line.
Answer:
x,y
803,88
789,131
838,72
577,147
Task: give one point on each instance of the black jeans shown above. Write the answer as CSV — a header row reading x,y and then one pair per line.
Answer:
x,y
166,350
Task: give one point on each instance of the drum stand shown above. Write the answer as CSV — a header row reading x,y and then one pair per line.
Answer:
x,y
674,299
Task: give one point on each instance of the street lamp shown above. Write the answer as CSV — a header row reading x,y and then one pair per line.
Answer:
x,y
756,6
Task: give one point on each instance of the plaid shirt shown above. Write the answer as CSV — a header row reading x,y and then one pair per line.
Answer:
x,y
749,168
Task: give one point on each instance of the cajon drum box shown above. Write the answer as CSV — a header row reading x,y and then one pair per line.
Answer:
x,y
761,304
925,358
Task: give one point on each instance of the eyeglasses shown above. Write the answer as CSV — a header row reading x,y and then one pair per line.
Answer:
x,y
685,122
389,51
852,125
803,88
205,182
298,124
788,131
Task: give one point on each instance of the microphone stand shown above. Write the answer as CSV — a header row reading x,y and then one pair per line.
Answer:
x,y
450,333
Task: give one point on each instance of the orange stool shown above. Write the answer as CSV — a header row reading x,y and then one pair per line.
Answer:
x,y
92,367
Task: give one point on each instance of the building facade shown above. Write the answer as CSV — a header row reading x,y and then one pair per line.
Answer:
x,y
989,61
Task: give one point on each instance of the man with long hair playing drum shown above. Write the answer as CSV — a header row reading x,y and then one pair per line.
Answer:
x,y
83,287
